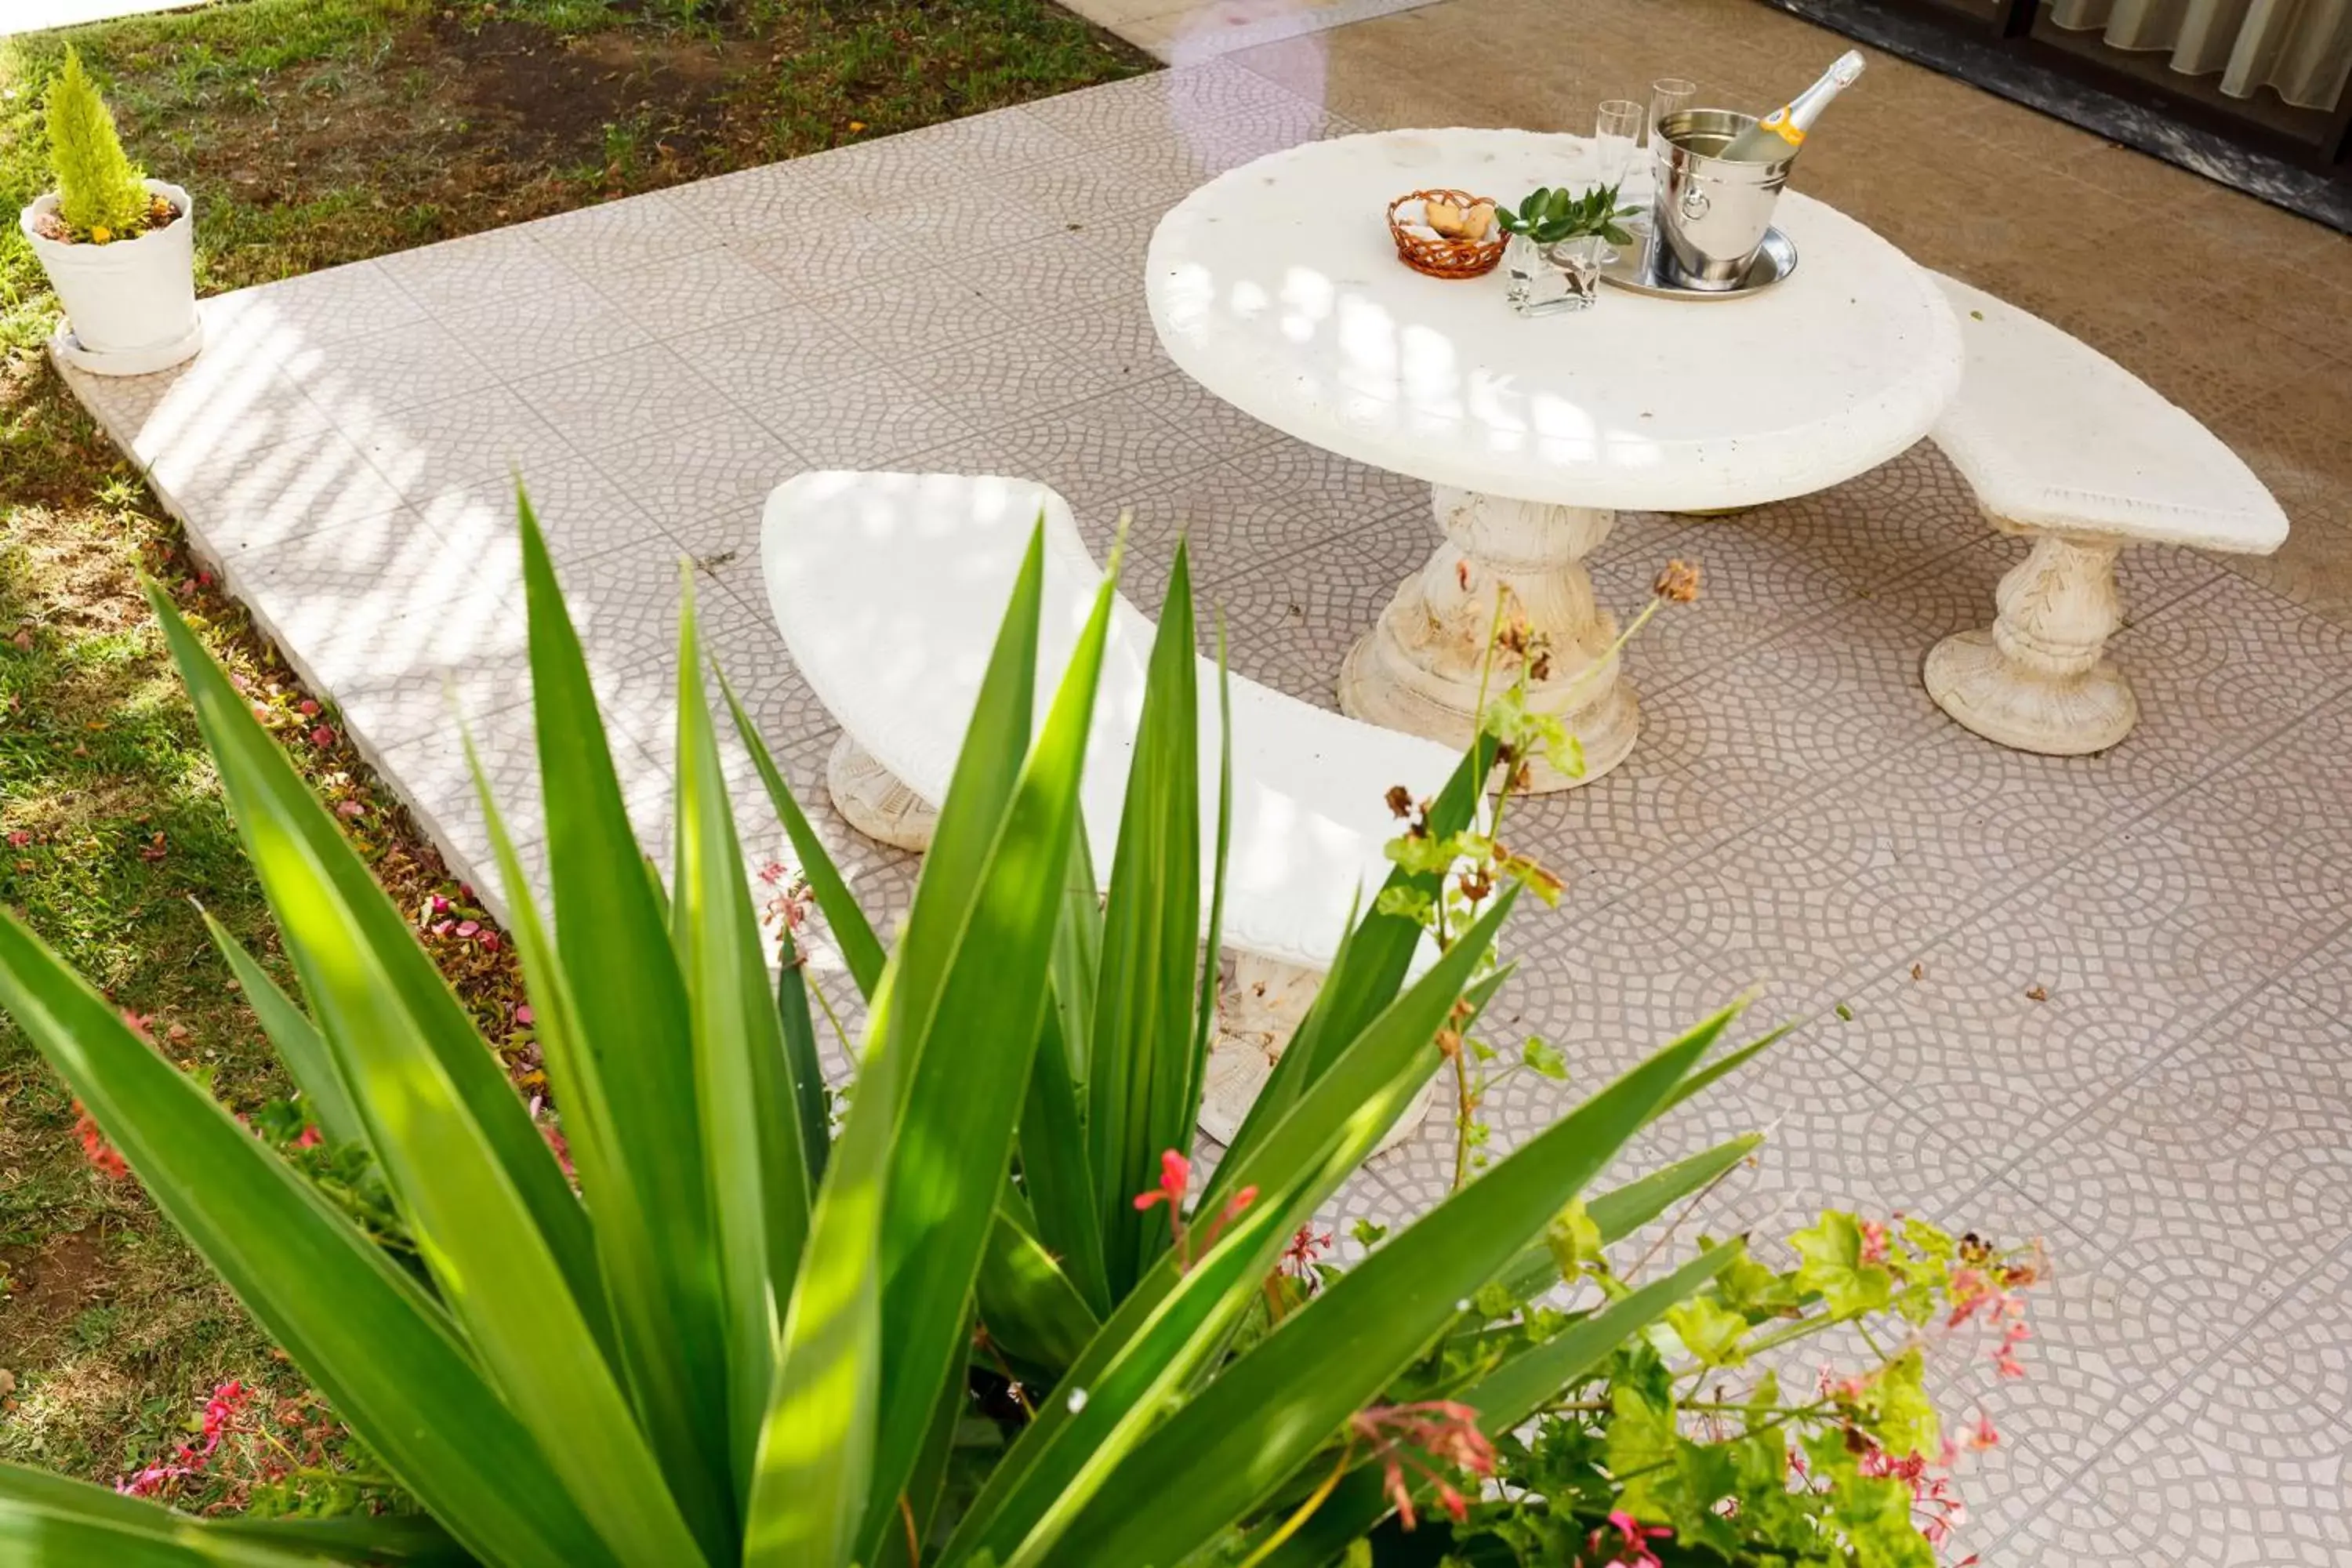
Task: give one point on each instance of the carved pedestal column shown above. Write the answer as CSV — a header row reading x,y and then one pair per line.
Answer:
x,y
1255,1018
1419,669
871,798
2039,680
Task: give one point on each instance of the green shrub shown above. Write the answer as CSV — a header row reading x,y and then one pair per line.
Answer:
x,y
98,189
986,1322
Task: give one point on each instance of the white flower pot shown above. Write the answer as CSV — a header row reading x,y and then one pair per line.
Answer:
x,y
131,304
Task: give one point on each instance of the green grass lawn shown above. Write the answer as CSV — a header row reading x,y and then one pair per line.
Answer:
x,y
311,132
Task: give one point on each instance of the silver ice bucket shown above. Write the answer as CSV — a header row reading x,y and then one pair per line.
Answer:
x,y
1711,216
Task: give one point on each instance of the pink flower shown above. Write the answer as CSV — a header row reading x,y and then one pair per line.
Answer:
x,y
1632,1546
439,906
19,838
350,808
1298,1257
468,928
306,708
322,736
524,1016
1873,1242
489,941
310,1139
1980,1437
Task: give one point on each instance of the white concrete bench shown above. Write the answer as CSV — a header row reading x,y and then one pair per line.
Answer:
x,y
889,590
2062,444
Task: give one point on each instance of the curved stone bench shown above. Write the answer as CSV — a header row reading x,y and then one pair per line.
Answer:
x,y
2064,446
889,590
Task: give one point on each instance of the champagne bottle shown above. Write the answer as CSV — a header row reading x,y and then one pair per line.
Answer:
x,y
1782,132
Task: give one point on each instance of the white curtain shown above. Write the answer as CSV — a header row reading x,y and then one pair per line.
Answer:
x,y
2301,47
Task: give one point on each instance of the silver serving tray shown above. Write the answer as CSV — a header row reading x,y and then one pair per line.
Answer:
x,y
1636,271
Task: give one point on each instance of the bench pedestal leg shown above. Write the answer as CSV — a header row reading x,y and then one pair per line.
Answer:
x,y
2039,678
1419,669
871,798
1255,1018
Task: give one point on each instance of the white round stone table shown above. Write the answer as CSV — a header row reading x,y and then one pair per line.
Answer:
x,y
1276,287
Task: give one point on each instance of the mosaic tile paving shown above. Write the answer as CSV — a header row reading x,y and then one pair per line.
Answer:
x,y
2101,1000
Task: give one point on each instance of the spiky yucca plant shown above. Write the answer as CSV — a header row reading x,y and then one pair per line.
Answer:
x,y
100,191
744,1339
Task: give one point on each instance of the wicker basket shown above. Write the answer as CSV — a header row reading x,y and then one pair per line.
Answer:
x,y
1441,258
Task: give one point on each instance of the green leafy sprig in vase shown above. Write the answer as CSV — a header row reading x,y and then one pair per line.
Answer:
x,y
1550,215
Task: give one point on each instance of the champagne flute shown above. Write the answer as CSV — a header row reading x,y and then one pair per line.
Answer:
x,y
1615,128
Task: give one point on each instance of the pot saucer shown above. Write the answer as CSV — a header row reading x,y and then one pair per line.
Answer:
x,y
69,350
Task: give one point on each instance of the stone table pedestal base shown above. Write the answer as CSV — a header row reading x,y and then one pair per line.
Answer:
x,y
2039,678
1419,670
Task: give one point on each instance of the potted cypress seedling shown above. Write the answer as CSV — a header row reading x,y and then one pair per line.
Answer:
x,y
119,249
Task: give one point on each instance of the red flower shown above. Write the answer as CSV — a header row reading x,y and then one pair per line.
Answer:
x,y
1419,1438
1175,1176
1175,1181
102,1156
310,1139
322,736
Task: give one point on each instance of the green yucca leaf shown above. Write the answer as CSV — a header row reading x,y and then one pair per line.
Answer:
x,y
314,882
1266,1413
758,1174
381,1350
816,1468
1204,1008
1143,1033
1056,1164
1174,1324
1056,1171
410,1540
809,1475
296,1038
466,1169
48,1521
861,949
654,1224
1726,1065
1030,1307
803,1066
970,1069
1505,1399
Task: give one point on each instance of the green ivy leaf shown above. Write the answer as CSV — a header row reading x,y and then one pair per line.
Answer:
x,y
1424,856
1574,1239
1539,1055
1640,1446
1834,1267
1906,1421
1709,1331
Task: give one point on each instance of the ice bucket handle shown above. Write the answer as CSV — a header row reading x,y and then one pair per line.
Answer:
x,y
1694,202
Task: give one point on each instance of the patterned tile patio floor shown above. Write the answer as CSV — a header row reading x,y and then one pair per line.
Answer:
x,y
2099,1000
